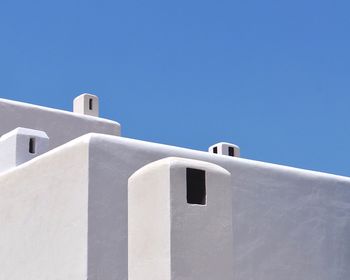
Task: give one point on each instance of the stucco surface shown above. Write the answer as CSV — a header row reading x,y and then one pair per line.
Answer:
x,y
149,223
60,126
44,215
171,238
63,215
288,223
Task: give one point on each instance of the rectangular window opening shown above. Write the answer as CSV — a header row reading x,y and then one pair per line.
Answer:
x,y
196,187
90,103
231,151
215,150
32,145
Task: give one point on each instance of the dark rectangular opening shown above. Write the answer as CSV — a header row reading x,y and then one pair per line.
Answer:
x,y
32,145
196,189
231,151
215,150
90,103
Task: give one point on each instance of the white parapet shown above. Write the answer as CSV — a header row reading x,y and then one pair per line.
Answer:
x,y
226,149
180,221
86,104
61,126
21,145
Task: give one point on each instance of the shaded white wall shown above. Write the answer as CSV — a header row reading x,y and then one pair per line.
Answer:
x,y
60,126
172,236
288,223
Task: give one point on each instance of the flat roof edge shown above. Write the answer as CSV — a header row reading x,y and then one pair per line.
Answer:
x,y
96,138
57,111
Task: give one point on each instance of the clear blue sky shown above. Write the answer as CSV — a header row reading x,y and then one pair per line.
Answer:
x,y
270,76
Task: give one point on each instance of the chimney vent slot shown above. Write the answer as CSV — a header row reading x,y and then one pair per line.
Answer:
x,y
32,145
231,151
90,104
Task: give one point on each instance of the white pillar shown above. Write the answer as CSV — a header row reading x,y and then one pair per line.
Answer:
x,y
226,149
180,221
86,104
21,145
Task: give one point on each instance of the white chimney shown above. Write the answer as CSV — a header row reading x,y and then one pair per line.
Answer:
x,y
86,104
226,149
21,145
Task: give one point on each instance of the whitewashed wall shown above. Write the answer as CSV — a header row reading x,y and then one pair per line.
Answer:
x,y
60,126
180,221
288,223
44,215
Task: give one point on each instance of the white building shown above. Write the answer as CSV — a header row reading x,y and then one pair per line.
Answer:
x,y
68,181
